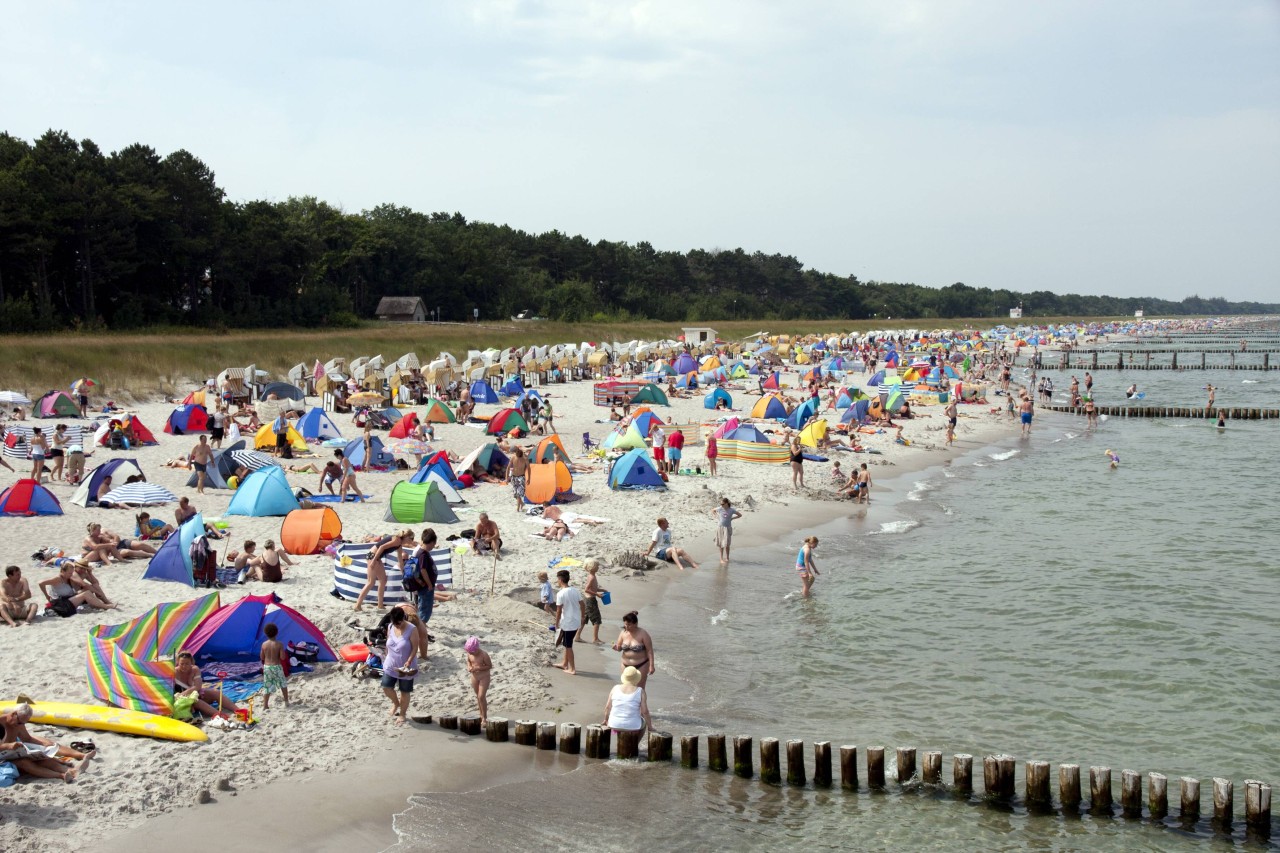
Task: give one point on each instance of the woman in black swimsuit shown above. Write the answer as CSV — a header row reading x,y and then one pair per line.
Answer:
x,y
636,646
797,464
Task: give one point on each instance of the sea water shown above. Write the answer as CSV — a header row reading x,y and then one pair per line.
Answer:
x,y
1023,598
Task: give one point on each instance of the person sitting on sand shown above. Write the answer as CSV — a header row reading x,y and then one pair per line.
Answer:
x,y
103,489
187,681
84,572
102,543
244,562
151,529
186,510
270,568
14,723
66,585
486,537
661,540
16,606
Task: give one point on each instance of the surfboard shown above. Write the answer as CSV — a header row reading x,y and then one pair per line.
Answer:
x,y
104,719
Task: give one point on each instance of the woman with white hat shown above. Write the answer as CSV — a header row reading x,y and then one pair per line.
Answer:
x,y
627,709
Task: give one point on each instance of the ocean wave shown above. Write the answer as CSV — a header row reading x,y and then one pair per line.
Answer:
x,y
1250,381
1000,457
900,526
720,617
918,490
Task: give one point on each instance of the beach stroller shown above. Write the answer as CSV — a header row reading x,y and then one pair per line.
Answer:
x,y
204,564
375,639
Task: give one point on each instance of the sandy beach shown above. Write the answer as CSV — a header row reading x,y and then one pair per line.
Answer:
x,y
335,735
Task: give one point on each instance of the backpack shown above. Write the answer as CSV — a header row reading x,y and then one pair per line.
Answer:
x,y
63,607
411,581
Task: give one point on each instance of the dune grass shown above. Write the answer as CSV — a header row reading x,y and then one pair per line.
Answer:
x,y
135,366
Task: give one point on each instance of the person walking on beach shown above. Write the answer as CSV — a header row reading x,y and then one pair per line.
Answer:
x,y
805,566
40,449
712,452
201,456
399,667
797,465
218,427
725,514
519,470
591,592
480,666
636,647
280,426
348,478
1025,412
571,611
950,412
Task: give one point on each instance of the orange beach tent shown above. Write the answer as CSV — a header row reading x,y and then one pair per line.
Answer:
x,y
309,531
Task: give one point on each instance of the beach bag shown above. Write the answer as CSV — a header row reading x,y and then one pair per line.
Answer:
x,y
182,706
304,652
8,774
63,607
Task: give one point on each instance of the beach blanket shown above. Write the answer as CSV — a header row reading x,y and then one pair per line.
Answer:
x,y
575,521
333,499
239,679
351,569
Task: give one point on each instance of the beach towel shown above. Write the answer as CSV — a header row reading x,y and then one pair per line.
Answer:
x,y
333,499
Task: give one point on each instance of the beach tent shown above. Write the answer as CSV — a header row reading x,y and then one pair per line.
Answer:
x,y
505,421
310,531
56,404
748,432
187,418
651,394
727,427
437,412
664,368
688,380
27,497
419,503
684,363
217,472
379,456
445,482
770,407
351,569
316,425
282,390
437,467
403,427
712,399
87,492
485,455
813,433
264,492
129,665
195,398
546,481
635,470
629,437
172,561
802,413
857,412
772,382
482,392
235,631
265,438
130,423
551,448
895,400
512,388
644,420
739,371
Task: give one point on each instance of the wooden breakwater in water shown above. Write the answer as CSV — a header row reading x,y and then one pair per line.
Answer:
x,y
785,763
1127,361
1232,413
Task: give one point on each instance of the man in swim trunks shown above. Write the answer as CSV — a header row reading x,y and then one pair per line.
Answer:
x,y
951,420
1025,411
201,456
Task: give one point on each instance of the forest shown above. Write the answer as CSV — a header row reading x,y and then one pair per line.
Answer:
x,y
133,239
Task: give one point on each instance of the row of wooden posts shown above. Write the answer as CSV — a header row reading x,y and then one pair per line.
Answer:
x,y
1063,362
998,771
1203,412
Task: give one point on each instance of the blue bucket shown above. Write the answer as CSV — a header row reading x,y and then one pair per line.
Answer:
x,y
605,597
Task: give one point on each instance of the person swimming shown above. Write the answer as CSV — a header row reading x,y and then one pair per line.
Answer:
x,y
1114,457
1131,390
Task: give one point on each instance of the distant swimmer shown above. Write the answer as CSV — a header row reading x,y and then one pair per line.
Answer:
x,y
1212,394
1131,390
1222,419
1114,457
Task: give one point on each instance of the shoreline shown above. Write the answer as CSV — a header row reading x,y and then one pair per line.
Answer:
x,y
436,761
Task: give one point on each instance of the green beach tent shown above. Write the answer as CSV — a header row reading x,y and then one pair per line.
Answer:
x,y
417,503
651,394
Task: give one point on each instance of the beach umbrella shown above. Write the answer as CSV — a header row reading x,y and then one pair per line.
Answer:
x,y
410,446
82,385
139,494
253,459
365,398
13,398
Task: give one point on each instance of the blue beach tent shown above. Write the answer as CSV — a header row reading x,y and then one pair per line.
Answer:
x,y
172,561
264,492
482,392
316,425
710,401
857,412
800,414
512,388
380,457
635,470
747,432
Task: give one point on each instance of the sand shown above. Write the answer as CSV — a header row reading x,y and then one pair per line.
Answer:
x,y
337,727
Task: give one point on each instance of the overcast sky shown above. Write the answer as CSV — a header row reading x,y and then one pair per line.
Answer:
x,y
1104,146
